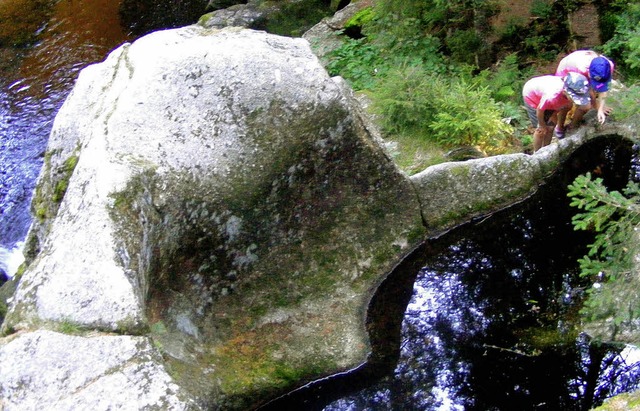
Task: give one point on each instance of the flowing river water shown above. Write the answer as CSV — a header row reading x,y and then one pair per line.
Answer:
x,y
43,46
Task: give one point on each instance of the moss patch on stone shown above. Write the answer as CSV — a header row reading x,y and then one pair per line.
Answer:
x,y
259,296
294,18
65,171
6,292
623,402
49,193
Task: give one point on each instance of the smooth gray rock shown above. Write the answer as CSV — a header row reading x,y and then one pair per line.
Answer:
x,y
250,16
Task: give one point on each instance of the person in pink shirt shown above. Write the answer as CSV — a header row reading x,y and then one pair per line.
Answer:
x,y
598,69
548,99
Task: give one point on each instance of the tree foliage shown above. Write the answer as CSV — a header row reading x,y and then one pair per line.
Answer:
x,y
614,216
624,44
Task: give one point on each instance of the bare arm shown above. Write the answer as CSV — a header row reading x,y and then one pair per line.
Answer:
x,y
603,110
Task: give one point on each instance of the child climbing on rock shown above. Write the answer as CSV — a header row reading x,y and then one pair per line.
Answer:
x,y
547,100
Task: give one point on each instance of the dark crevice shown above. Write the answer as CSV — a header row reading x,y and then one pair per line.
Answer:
x,y
353,32
343,4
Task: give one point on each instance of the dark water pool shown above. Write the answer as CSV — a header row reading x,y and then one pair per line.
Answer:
x,y
491,325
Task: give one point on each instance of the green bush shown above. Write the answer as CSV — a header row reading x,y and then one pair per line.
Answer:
x,y
465,45
363,62
536,44
402,101
465,114
450,111
423,50
541,9
513,31
633,45
358,62
625,102
506,80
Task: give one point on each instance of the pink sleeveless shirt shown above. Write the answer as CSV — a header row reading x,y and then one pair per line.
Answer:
x,y
545,93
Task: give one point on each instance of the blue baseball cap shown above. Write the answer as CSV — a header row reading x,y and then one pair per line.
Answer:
x,y
600,74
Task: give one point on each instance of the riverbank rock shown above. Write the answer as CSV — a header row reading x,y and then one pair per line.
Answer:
x,y
288,17
327,35
214,197
241,15
454,193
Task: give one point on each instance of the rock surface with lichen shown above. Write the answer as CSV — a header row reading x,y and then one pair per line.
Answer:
x,y
457,192
214,195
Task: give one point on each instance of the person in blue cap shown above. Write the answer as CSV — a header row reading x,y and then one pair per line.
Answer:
x,y
599,70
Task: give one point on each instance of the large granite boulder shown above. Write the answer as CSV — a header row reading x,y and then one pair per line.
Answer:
x,y
215,196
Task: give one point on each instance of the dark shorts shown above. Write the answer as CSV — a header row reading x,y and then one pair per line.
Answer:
x,y
531,112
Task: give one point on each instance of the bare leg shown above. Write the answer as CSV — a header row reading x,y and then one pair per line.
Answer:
x,y
541,138
538,137
548,134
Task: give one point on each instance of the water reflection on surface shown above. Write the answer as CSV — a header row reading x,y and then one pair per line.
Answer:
x,y
490,323
36,76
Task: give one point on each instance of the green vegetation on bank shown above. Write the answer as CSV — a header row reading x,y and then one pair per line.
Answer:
x,y
621,26
443,75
